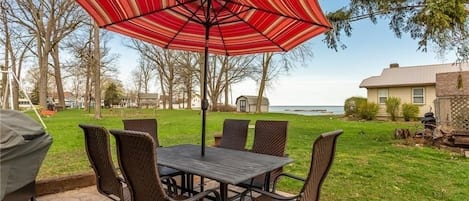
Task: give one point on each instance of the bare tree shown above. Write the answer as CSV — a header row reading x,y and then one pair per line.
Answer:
x,y
50,22
87,65
72,18
147,72
166,62
187,72
97,72
274,64
17,44
142,76
224,71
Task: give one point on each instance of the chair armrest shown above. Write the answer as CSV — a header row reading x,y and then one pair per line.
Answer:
x,y
204,194
285,175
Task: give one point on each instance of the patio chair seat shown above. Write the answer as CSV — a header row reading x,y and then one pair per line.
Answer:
x,y
138,161
150,126
322,156
270,137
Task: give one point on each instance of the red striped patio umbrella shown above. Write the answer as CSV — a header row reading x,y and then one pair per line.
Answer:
x,y
229,27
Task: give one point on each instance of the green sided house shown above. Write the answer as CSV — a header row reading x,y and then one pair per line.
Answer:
x,y
413,84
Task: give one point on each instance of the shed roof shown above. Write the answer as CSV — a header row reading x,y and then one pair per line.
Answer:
x,y
253,99
411,76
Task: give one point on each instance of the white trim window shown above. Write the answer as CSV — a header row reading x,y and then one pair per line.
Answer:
x,y
418,95
382,96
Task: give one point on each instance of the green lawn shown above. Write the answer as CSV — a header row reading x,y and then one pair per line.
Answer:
x,y
369,164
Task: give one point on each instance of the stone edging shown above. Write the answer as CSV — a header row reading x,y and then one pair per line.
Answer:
x,y
56,185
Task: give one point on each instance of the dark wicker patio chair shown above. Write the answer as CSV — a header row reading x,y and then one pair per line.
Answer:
x,y
108,182
150,126
138,161
270,137
235,132
323,154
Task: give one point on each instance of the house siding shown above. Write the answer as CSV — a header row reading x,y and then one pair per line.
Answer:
x,y
405,94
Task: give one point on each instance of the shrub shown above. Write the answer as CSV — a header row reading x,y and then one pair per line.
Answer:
x,y
226,108
392,107
409,111
351,105
367,110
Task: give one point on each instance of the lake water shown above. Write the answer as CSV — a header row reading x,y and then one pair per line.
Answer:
x,y
308,110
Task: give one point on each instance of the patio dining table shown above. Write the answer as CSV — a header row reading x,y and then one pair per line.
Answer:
x,y
226,166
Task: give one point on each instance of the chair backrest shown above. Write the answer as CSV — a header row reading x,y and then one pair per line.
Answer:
x,y
149,126
99,155
322,157
235,132
270,137
137,159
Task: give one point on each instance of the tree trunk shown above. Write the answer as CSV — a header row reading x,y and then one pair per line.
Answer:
x,y
87,97
58,75
189,93
43,70
163,91
266,58
227,88
97,72
201,78
6,59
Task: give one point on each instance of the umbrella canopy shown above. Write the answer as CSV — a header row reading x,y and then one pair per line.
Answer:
x,y
228,27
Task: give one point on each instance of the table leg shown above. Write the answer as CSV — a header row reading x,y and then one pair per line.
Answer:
x,y
190,183
267,182
224,191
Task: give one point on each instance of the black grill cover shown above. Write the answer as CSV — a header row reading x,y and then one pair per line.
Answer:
x,y
23,147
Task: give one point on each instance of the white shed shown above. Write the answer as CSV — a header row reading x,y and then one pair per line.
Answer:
x,y
248,104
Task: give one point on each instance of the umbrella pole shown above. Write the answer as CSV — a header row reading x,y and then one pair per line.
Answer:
x,y
204,105
204,100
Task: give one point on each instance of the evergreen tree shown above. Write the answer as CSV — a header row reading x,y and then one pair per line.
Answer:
x,y
112,95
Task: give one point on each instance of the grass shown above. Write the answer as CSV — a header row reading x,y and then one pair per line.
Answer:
x,y
369,163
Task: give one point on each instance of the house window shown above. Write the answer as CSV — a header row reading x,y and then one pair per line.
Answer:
x,y
382,96
418,95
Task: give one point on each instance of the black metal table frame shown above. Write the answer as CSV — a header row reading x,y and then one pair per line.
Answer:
x,y
223,165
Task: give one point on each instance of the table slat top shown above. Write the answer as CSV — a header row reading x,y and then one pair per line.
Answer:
x,y
224,165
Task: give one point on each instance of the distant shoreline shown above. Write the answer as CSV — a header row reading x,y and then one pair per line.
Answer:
x,y
308,110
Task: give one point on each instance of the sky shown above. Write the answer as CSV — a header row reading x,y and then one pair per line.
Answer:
x,y
329,77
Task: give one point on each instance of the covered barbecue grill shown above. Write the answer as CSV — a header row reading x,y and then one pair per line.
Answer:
x,y
23,147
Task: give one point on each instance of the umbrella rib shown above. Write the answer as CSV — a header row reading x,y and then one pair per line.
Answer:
x,y
189,18
257,30
280,14
200,21
145,14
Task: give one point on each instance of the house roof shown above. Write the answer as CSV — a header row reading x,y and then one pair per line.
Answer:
x,y
411,76
148,95
253,99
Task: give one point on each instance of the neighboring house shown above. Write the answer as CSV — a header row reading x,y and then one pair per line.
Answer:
x,y
415,84
149,100
195,104
248,104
